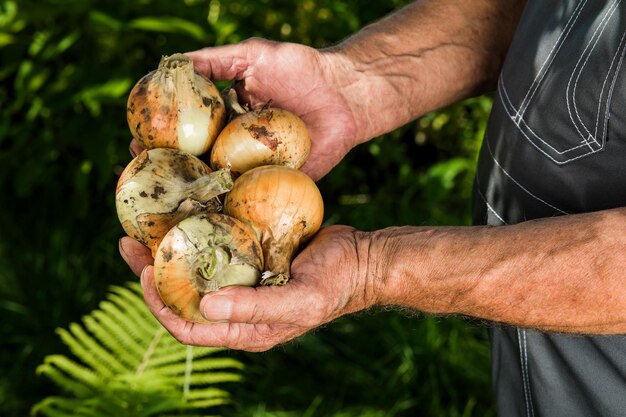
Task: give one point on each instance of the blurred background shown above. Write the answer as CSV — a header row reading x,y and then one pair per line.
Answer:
x,y
66,68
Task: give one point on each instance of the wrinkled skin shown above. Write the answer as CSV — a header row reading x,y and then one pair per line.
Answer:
x,y
294,77
313,297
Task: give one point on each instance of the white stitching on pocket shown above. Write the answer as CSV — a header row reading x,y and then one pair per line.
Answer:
x,y
587,53
553,52
566,151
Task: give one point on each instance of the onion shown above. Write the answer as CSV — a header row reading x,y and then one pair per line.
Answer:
x,y
204,253
266,136
160,187
175,107
284,207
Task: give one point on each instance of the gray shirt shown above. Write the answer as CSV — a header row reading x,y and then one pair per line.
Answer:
x,y
556,145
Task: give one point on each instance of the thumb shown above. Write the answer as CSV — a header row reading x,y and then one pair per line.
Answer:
x,y
288,304
221,63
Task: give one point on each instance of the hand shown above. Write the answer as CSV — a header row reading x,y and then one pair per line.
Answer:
x,y
327,282
297,78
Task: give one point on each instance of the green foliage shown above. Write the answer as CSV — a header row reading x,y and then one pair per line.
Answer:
x,y
420,174
66,67
379,363
128,365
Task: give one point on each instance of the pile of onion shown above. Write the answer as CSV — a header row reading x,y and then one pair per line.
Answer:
x,y
240,221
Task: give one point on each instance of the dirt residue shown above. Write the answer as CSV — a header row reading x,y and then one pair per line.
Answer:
x,y
263,135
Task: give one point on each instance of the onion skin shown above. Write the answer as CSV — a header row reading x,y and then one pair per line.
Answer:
x,y
267,136
201,254
160,187
175,107
285,208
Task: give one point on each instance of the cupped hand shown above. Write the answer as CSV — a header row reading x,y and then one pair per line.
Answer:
x,y
295,77
327,282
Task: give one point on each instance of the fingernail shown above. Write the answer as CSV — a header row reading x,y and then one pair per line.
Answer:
x,y
142,276
217,308
132,151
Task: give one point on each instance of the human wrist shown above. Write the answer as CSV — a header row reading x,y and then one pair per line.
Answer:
x,y
377,256
339,69
367,268
421,268
370,94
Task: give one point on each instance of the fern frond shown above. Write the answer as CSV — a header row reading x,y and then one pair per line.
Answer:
x,y
206,364
58,407
110,333
96,355
210,403
80,351
198,380
133,315
136,331
168,356
170,352
207,394
61,379
204,351
127,365
131,298
203,364
213,378
81,374
148,398
151,349
107,328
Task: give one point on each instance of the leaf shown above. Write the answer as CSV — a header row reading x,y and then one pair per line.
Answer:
x,y
61,46
38,42
99,18
61,379
6,39
167,24
445,172
124,367
57,407
113,89
82,374
8,13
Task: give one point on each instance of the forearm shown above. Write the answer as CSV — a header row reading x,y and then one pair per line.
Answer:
x,y
425,56
563,274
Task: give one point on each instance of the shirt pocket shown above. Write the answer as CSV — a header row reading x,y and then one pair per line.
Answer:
x,y
559,85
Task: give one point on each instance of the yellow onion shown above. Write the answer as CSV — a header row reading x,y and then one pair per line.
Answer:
x,y
175,107
284,207
266,136
204,253
162,186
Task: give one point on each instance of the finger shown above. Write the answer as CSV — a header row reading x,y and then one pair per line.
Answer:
x,y
136,255
135,148
221,63
323,156
314,169
292,304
